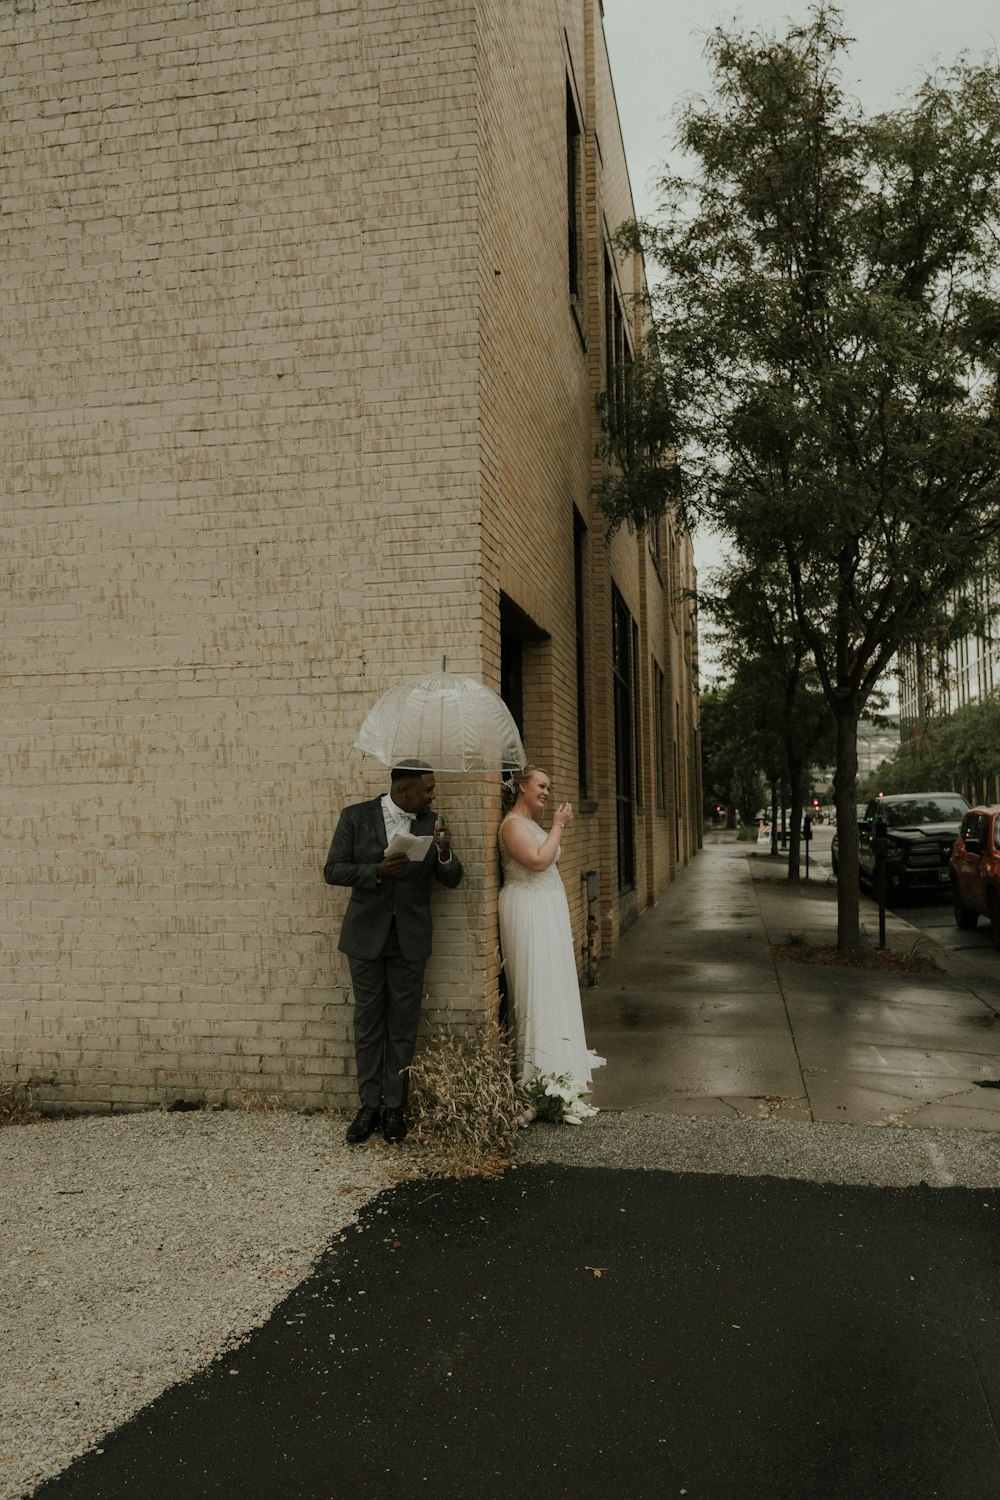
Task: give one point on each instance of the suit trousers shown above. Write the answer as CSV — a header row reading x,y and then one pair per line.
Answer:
x,y
387,995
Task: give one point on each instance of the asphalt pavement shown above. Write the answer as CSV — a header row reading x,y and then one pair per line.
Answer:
x,y
586,1332
726,1286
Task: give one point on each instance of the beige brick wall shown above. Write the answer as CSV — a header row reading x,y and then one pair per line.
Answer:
x,y
290,384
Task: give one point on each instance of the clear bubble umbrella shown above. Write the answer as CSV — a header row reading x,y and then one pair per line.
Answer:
x,y
444,721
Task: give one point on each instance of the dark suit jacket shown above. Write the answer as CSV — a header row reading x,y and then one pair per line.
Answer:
x,y
358,848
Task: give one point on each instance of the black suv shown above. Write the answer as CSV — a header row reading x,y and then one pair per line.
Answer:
x,y
922,827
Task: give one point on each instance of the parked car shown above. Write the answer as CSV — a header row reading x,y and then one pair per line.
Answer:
x,y
975,870
921,829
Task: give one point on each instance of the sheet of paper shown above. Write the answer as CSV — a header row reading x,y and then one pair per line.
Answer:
x,y
413,845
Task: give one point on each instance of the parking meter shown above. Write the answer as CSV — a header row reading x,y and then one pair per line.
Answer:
x,y
881,845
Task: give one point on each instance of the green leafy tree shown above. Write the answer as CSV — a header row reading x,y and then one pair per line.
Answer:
x,y
951,752
775,682
759,739
829,330
731,769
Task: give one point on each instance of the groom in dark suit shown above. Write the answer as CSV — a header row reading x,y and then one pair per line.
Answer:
x,y
387,937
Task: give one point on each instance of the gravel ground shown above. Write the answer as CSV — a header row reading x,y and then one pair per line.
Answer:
x,y
135,1249
883,1155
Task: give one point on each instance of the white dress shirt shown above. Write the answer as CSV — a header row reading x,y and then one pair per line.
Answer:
x,y
396,820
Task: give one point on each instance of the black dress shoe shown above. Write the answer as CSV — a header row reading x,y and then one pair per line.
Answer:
x,y
393,1125
364,1124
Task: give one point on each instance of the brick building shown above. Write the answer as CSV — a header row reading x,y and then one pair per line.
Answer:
x,y
307,308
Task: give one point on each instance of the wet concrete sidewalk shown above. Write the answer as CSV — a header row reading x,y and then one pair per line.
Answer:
x,y
696,1018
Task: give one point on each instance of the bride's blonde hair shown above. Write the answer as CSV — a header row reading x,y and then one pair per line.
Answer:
x,y
511,785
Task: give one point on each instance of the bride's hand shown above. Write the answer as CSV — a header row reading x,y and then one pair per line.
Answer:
x,y
563,814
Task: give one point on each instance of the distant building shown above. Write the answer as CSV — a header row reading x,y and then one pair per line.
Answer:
x,y
878,741
940,679
307,311
937,681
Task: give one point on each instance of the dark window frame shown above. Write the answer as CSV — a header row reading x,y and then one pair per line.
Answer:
x,y
624,723
574,196
660,735
580,592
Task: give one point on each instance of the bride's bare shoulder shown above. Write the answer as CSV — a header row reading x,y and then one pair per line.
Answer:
x,y
516,831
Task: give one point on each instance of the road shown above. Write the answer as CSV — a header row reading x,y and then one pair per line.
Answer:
x,y
928,911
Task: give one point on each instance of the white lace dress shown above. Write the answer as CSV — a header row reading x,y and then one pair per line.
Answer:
x,y
536,939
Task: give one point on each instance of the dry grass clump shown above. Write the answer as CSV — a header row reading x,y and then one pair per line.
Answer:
x,y
253,1103
464,1104
17,1105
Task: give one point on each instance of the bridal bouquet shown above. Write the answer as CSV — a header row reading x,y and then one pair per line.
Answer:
x,y
556,1099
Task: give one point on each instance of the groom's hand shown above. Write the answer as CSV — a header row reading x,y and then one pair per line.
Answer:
x,y
391,866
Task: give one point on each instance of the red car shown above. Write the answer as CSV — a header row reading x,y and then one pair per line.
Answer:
x,y
975,869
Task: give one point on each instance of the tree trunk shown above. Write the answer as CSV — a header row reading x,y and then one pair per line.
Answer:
x,y
846,799
795,778
774,820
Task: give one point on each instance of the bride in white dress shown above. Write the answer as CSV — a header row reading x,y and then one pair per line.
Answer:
x,y
537,939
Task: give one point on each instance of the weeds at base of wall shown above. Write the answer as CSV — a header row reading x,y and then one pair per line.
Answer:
x,y
17,1105
261,1104
465,1108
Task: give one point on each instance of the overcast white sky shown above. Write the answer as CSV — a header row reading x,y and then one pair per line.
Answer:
x,y
657,56
657,59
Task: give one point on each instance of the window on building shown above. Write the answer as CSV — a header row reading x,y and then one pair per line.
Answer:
x,y
617,356
512,678
609,341
520,637
621,638
677,780
637,696
580,589
669,579
654,535
574,193
659,735
618,368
